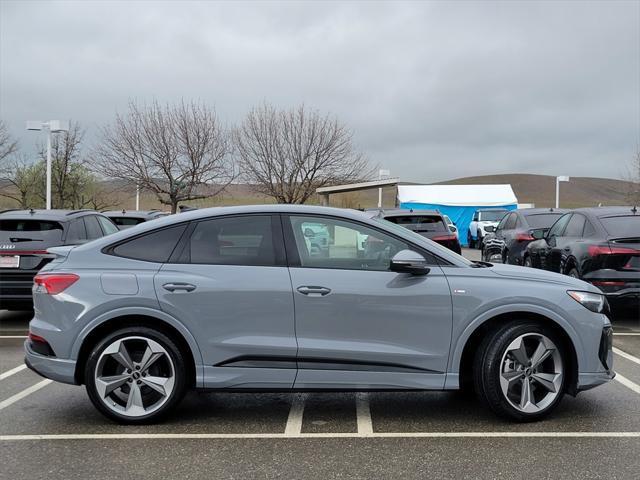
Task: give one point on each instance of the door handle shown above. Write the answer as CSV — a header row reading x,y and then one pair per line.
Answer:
x,y
314,291
172,287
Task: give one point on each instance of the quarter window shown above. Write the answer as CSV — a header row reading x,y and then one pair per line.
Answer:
x,y
107,226
332,243
244,240
155,246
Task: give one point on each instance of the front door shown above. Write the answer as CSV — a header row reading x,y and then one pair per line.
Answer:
x,y
358,324
230,286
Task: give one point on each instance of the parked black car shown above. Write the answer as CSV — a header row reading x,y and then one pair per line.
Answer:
x,y
508,242
25,236
428,223
599,245
129,218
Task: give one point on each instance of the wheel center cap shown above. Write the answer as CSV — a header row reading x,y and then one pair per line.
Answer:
x,y
136,375
527,372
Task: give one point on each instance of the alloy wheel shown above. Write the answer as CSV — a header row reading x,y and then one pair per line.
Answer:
x,y
134,376
531,373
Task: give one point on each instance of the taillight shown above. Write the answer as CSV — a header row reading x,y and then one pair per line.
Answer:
x,y
443,238
524,237
23,252
608,283
55,283
595,250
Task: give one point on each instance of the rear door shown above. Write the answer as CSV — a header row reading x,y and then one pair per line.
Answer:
x,y
548,253
358,324
230,286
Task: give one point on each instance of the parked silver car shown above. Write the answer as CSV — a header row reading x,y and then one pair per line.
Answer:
x,y
234,299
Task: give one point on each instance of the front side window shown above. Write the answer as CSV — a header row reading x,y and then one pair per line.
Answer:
x,y
511,222
155,246
558,227
246,240
342,244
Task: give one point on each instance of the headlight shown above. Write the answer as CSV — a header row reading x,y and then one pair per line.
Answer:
x,y
593,301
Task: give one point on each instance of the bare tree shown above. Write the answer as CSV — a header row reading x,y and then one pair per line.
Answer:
x,y
8,145
23,181
633,177
178,152
288,154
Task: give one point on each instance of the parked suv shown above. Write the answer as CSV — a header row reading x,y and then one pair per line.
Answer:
x,y
508,242
234,299
599,245
430,224
481,219
129,218
25,236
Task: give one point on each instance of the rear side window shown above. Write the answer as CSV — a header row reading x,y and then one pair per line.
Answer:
x,y
93,227
76,232
29,225
155,246
420,223
511,222
233,241
107,226
575,227
627,226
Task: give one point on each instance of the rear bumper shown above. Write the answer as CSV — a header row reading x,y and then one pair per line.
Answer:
x,y
15,288
58,369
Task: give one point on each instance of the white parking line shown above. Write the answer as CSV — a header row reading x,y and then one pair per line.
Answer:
x,y
13,371
627,334
628,383
626,355
27,391
13,336
363,414
294,421
196,436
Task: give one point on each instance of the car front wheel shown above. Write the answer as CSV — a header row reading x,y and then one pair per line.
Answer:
x,y
135,375
520,371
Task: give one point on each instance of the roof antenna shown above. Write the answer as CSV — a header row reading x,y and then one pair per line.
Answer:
x,y
634,209
124,211
32,211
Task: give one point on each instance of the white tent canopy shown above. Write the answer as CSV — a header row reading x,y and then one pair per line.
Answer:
x,y
458,195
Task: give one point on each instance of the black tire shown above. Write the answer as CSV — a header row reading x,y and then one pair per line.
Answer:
x,y
480,242
487,365
470,241
179,369
573,272
527,262
505,257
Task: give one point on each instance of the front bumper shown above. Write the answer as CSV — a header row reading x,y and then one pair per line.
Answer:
x,y
587,381
58,369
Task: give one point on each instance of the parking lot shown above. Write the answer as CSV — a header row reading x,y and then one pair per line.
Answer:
x,y
49,430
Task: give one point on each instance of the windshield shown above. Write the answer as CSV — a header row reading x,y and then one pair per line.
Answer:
x,y
420,240
544,220
492,215
23,231
627,226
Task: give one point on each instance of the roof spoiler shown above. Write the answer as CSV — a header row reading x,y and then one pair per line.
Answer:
x,y
61,252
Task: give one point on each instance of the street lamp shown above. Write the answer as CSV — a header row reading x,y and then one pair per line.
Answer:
x,y
382,174
558,180
52,126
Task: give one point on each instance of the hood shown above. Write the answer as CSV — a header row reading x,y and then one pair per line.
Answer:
x,y
535,274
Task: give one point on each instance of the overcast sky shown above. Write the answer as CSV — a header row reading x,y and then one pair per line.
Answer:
x,y
432,90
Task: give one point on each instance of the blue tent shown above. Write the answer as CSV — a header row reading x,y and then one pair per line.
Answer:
x,y
458,202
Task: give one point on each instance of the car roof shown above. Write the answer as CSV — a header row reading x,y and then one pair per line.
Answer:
x,y
538,211
41,214
132,213
617,211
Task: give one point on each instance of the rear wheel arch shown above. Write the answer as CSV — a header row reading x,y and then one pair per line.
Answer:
x,y
465,365
116,323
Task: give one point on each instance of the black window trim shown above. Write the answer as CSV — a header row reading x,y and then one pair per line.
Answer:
x,y
109,249
294,258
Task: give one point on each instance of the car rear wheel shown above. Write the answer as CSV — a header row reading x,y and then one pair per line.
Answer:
x,y
573,272
520,371
527,262
135,375
470,241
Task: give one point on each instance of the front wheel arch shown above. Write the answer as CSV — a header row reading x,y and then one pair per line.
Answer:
x,y
475,339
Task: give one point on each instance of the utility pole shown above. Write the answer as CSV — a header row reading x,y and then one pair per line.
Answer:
x,y
381,174
558,180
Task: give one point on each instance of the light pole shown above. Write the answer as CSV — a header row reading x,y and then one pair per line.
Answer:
x,y
52,126
137,197
558,180
381,175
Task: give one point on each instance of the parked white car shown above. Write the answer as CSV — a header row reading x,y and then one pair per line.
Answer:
x,y
481,219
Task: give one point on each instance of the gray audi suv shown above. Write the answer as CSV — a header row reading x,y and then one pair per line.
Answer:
x,y
237,299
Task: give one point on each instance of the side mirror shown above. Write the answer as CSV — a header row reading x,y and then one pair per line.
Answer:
x,y
407,261
453,228
309,233
489,229
538,233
